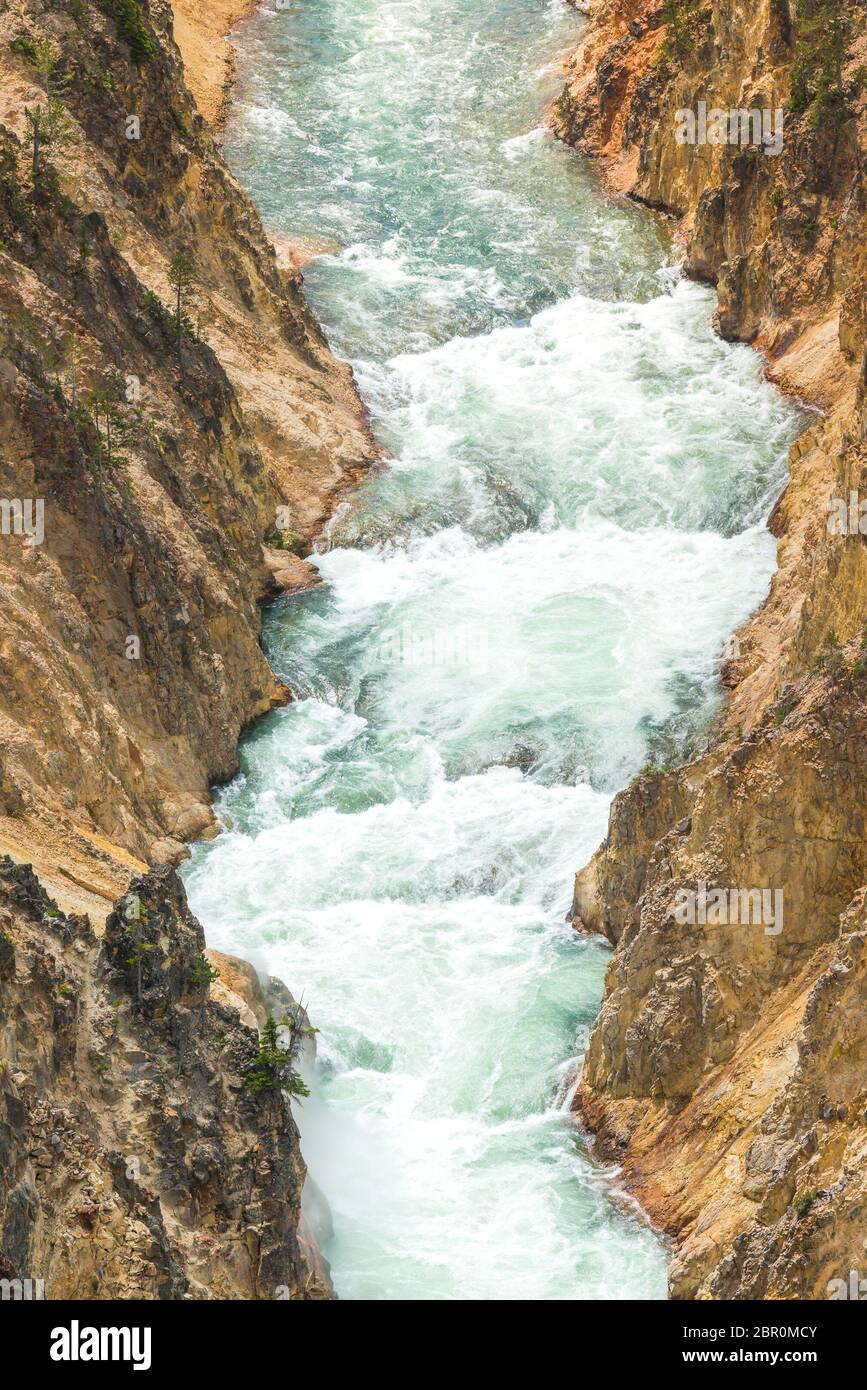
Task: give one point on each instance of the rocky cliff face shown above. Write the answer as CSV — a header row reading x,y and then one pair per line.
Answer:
x,y
175,431
174,482
727,1071
134,1162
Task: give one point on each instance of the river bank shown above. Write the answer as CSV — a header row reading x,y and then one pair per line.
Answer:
x,y
202,29
737,1112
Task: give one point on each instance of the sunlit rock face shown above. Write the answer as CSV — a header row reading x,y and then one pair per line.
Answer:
x,y
160,473
726,1068
152,474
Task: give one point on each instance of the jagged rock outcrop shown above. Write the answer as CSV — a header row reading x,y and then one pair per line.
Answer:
x,y
169,477
777,228
134,1163
727,1071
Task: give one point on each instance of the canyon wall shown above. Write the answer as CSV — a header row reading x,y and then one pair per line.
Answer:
x,y
175,431
727,1071
129,636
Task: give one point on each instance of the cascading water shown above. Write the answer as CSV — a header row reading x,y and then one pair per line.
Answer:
x,y
525,607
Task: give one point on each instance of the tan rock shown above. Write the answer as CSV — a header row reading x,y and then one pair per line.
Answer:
x,y
201,29
238,977
130,636
168,851
726,1071
224,995
290,574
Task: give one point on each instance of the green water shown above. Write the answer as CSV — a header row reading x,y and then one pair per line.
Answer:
x,y
528,604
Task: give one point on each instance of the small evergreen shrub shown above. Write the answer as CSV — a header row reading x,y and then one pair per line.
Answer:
x,y
804,1202
831,657
784,708
37,53
682,19
272,1069
131,26
202,973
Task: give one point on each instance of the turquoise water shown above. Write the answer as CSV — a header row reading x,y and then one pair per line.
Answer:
x,y
526,606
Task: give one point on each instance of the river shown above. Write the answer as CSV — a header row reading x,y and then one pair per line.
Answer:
x,y
524,608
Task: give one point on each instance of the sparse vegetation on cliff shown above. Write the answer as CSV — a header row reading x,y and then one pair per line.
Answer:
x,y
132,27
804,1202
49,130
272,1068
822,37
683,21
182,278
142,1102
40,55
202,974
784,707
104,424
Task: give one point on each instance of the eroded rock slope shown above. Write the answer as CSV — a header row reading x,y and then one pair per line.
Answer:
x,y
135,1162
175,481
727,1071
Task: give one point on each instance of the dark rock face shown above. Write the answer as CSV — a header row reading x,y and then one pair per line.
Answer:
x,y
152,944
133,1161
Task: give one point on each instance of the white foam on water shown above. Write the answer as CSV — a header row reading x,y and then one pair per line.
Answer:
x,y
521,144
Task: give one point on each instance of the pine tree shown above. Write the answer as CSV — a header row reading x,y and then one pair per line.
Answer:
x,y
182,278
823,37
136,914
113,427
49,128
271,1069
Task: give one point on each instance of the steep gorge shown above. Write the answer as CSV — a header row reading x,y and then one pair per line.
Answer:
x,y
727,1071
